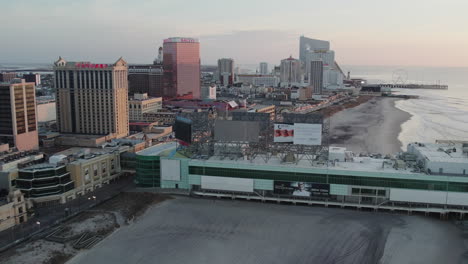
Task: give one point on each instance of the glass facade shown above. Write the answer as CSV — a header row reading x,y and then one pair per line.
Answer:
x,y
43,182
331,179
181,70
148,171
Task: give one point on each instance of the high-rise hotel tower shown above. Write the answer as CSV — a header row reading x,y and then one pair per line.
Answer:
x,y
92,98
18,122
181,63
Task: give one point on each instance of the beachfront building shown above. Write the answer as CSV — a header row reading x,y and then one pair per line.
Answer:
x,y
428,178
92,99
12,210
69,174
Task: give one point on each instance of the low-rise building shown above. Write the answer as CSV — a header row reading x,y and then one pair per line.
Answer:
x,y
10,161
428,178
163,117
442,158
259,79
208,92
44,182
13,210
140,104
7,76
69,173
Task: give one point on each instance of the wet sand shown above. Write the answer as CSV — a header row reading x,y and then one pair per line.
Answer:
x,y
372,127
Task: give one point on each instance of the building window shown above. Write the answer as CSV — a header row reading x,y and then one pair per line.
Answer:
x,y
380,192
86,175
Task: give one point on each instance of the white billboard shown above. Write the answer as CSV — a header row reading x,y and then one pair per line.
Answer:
x,y
283,133
170,170
227,184
308,134
418,196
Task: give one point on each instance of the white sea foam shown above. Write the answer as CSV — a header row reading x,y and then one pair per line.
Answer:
x,y
435,115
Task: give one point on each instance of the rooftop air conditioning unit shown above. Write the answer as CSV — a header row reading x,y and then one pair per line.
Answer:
x,y
465,148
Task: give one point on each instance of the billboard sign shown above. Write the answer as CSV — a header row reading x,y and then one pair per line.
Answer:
x,y
307,134
283,133
301,189
238,131
181,40
298,133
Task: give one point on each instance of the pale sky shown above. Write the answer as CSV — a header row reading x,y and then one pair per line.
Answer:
x,y
362,32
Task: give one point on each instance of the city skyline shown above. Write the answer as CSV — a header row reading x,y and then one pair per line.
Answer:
x,y
357,30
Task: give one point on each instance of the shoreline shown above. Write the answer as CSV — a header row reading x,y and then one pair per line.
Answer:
x,y
371,127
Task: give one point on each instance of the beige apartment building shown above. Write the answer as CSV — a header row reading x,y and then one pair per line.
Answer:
x,y
140,104
92,99
18,123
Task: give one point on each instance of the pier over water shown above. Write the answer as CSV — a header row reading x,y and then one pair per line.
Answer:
x,y
415,86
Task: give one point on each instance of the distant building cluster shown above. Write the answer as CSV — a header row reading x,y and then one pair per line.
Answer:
x,y
66,133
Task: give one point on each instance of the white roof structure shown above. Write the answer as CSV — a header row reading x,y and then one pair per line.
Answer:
x,y
55,159
447,152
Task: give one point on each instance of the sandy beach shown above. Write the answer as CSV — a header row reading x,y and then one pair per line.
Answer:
x,y
372,127
188,230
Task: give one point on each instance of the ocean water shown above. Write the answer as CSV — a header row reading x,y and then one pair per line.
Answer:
x,y
437,114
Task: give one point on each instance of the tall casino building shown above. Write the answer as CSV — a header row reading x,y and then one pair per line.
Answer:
x,y
181,63
92,99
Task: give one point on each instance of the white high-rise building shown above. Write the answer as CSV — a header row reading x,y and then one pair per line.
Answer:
x,y
263,68
307,45
208,92
291,72
326,56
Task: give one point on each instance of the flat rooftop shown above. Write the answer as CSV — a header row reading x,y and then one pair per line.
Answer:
x,y
365,164
445,152
41,166
158,150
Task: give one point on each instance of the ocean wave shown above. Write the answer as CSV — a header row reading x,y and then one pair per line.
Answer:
x,y
435,115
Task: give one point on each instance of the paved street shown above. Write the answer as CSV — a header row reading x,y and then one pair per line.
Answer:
x,y
47,216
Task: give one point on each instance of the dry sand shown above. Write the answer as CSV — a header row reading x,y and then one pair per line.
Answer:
x,y
102,220
189,230
372,127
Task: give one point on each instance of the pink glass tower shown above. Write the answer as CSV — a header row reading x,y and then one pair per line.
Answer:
x,y
181,63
